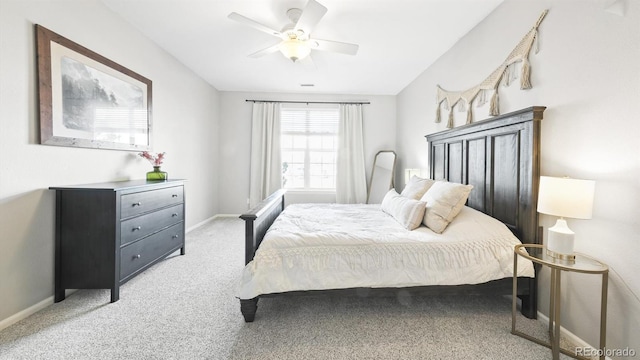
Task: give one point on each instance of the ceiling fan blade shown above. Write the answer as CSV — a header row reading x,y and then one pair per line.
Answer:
x,y
263,52
254,24
334,46
311,15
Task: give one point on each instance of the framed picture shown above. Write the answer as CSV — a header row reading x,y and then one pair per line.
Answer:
x,y
87,100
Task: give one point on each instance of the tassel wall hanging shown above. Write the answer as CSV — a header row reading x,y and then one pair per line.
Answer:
x,y
505,72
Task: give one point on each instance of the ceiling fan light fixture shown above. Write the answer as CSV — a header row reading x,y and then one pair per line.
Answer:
x,y
294,49
296,41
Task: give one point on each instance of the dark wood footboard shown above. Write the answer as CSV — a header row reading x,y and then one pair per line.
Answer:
x,y
258,220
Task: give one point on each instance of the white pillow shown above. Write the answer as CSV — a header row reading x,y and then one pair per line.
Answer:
x,y
416,187
444,202
408,212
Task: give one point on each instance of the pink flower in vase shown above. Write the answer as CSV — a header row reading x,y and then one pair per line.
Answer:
x,y
155,160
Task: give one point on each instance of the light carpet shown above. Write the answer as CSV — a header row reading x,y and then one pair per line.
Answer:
x,y
185,308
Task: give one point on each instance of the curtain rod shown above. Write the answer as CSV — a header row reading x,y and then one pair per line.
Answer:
x,y
311,102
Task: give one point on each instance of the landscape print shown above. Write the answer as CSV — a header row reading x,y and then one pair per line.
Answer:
x,y
87,100
105,106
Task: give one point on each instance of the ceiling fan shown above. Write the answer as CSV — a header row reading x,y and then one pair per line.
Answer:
x,y
297,42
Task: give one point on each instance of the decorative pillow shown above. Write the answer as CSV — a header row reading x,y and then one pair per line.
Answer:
x,y
444,202
416,187
408,212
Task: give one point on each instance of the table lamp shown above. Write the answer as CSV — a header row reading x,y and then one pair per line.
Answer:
x,y
564,197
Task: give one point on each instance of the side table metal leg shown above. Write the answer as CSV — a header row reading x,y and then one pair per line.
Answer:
x,y
555,345
603,314
552,298
514,293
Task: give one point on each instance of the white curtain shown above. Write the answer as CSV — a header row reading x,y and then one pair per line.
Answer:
x,y
266,164
351,182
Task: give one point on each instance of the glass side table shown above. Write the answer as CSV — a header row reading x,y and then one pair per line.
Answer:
x,y
581,264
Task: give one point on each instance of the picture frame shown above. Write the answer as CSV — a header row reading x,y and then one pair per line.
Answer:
x,y
87,100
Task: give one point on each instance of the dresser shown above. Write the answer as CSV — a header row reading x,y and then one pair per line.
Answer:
x,y
108,233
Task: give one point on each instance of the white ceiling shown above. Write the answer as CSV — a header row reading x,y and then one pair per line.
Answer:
x,y
398,40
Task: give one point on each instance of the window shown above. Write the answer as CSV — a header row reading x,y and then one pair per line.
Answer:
x,y
309,146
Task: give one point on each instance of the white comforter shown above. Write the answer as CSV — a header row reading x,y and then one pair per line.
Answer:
x,y
333,246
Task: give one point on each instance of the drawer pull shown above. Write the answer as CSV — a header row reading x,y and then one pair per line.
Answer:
x,y
175,236
137,228
174,214
136,257
174,195
137,204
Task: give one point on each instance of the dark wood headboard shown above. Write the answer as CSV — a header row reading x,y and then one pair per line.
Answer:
x,y
500,157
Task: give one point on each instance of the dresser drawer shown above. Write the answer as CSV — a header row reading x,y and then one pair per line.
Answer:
x,y
137,255
141,226
141,202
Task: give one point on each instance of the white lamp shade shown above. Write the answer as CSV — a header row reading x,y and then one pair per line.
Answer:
x,y
566,197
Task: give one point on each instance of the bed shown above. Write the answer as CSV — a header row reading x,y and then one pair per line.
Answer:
x,y
306,250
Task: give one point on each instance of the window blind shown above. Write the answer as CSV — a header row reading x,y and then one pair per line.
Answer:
x,y
309,120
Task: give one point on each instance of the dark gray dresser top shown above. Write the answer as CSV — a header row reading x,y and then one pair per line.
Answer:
x,y
121,185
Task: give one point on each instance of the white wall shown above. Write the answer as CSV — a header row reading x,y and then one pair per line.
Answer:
x,y
587,74
235,124
185,125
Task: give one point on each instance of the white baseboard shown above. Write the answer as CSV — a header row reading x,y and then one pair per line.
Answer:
x,y
201,223
191,228
573,338
227,216
25,313
31,310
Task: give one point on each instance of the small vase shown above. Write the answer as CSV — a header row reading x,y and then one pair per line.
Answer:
x,y
157,174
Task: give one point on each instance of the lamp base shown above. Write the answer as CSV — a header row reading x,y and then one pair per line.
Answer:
x,y
560,241
563,257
